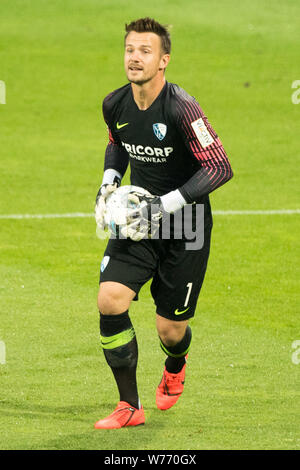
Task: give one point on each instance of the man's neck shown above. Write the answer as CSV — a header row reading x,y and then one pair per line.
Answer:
x,y
144,95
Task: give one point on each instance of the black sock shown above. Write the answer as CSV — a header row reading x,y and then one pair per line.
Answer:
x,y
121,353
176,354
174,364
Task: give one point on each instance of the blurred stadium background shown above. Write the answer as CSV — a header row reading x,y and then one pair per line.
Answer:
x,y
58,60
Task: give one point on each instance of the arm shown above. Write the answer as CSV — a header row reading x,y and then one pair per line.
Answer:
x,y
115,165
115,161
209,177
116,158
207,149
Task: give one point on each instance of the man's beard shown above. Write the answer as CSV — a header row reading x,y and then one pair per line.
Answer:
x,y
139,82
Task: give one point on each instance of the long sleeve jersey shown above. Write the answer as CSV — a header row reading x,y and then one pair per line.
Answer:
x,y
171,145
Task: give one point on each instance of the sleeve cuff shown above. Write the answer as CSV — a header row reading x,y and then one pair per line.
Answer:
x,y
173,201
109,176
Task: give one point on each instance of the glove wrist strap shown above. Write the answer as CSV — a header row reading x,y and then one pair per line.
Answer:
x,y
110,175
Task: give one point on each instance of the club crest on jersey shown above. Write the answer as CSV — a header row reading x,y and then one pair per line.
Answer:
x,y
160,130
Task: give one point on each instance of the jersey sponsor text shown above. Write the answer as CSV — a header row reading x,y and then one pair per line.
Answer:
x,y
148,154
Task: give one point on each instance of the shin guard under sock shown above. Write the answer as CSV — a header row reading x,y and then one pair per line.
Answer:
x,y
120,349
176,354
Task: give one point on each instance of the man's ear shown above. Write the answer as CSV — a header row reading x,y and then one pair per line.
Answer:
x,y
165,59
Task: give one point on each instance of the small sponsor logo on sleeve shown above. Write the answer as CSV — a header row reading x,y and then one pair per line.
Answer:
x,y
202,133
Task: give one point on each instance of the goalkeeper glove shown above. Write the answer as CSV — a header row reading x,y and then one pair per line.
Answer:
x,y
100,207
144,220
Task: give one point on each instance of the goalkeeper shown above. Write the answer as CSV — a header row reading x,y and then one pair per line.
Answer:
x,y
174,153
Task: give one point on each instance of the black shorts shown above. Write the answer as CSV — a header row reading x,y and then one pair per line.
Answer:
x,y
177,273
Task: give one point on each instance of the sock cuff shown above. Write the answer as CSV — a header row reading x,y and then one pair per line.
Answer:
x,y
111,325
180,349
115,330
118,340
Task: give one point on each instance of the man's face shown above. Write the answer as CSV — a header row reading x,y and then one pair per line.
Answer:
x,y
144,58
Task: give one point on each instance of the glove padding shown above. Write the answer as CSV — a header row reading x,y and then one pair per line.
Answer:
x,y
144,220
103,193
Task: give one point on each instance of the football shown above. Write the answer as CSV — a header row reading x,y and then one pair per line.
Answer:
x,y
117,206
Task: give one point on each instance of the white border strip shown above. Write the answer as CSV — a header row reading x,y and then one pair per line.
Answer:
x,y
46,216
259,212
86,214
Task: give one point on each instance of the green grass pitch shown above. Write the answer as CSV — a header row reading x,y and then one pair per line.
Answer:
x,y
58,60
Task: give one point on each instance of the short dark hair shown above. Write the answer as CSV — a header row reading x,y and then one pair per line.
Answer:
x,y
149,25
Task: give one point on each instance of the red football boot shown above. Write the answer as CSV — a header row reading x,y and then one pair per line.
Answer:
x,y
170,389
123,415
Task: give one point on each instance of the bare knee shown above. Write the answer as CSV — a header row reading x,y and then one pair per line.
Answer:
x,y
169,331
114,298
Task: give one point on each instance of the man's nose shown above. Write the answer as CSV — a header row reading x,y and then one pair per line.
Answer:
x,y
135,56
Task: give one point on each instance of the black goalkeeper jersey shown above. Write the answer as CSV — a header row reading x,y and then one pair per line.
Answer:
x,y
171,145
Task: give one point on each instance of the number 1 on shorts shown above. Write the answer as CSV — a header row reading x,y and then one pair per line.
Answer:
x,y
189,286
